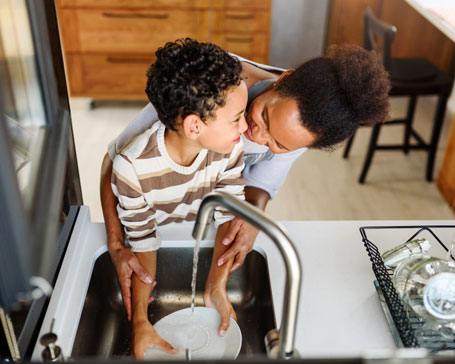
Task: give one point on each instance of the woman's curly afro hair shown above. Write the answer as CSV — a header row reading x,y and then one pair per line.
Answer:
x,y
189,77
337,93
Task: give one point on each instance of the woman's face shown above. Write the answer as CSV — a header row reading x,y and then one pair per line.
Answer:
x,y
274,121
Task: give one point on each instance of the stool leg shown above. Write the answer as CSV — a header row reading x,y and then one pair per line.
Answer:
x,y
438,120
408,123
370,152
348,146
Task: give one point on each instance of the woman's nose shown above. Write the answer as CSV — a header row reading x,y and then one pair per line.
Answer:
x,y
262,136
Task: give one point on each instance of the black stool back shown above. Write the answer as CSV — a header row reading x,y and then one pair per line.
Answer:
x,y
409,77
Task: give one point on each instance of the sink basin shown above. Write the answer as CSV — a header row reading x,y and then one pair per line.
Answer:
x,y
104,330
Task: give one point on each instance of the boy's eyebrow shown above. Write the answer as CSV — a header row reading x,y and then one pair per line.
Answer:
x,y
239,113
266,119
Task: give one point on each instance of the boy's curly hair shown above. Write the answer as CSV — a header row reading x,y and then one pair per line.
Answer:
x,y
189,77
337,93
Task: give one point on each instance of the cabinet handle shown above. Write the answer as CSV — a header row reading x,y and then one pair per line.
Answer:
x,y
239,40
135,16
240,16
129,60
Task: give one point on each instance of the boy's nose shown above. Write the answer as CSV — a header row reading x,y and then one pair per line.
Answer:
x,y
243,125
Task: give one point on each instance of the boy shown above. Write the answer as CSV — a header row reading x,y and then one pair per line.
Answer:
x,y
163,174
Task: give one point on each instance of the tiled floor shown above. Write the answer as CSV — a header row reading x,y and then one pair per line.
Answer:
x,y
320,186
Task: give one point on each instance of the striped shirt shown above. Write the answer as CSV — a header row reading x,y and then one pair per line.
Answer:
x,y
154,190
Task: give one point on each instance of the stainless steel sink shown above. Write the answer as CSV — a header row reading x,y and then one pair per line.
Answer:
x,y
104,330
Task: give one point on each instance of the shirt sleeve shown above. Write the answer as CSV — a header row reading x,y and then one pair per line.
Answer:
x,y
231,181
259,65
146,118
269,175
135,214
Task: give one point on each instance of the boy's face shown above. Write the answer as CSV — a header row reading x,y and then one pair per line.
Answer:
x,y
221,133
274,121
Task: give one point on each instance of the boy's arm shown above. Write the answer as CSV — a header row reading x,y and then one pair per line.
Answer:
x,y
124,260
144,335
215,294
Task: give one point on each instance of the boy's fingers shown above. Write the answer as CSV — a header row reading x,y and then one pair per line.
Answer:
x,y
164,345
225,315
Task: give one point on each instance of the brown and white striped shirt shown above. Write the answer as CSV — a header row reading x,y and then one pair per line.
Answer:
x,y
153,190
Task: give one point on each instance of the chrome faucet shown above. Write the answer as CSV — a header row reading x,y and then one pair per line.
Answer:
x,y
280,237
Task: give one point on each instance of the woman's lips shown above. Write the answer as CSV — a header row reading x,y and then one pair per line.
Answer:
x,y
237,140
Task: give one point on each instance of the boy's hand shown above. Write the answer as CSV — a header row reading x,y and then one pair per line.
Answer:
x,y
144,335
125,263
242,236
217,297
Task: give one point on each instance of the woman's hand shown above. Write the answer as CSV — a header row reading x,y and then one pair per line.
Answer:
x,y
125,263
241,236
145,335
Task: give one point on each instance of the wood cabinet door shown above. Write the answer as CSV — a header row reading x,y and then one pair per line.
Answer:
x,y
127,31
446,177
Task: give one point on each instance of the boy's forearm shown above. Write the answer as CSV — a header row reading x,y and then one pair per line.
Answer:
x,y
218,276
141,291
114,229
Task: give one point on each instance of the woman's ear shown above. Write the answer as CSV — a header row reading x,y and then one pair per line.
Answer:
x,y
284,75
192,126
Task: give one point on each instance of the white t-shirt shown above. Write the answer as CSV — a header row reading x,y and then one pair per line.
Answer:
x,y
263,169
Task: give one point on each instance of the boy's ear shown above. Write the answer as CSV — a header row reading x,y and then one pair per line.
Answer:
x,y
192,126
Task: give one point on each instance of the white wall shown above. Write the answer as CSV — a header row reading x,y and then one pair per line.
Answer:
x,y
297,32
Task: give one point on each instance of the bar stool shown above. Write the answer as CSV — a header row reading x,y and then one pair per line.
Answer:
x,y
409,77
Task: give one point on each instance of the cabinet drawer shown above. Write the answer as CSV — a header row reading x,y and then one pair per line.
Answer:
x,y
242,4
251,46
128,4
108,77
129,31
240,21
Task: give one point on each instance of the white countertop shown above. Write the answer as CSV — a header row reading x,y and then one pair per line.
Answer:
x,y
441,13
339,315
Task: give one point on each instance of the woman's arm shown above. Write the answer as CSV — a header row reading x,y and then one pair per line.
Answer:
x,y
252,74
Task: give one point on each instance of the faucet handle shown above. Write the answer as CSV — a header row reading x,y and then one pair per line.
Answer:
x,y
51,351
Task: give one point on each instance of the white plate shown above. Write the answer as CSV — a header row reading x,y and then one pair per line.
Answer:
x,y
199,333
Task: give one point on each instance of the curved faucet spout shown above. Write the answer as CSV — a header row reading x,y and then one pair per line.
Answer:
x,y
280,237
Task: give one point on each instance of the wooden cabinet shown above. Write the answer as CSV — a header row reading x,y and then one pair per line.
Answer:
x,y
446,177
109,44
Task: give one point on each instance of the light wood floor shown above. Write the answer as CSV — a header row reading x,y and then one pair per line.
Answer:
x,y
321,185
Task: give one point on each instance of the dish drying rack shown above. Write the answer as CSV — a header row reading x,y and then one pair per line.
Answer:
x,y
401,319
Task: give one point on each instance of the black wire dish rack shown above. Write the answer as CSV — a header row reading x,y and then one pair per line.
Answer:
x,y
402,321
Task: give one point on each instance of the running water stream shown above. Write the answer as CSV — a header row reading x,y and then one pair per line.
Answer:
x,y
193,295
193,279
